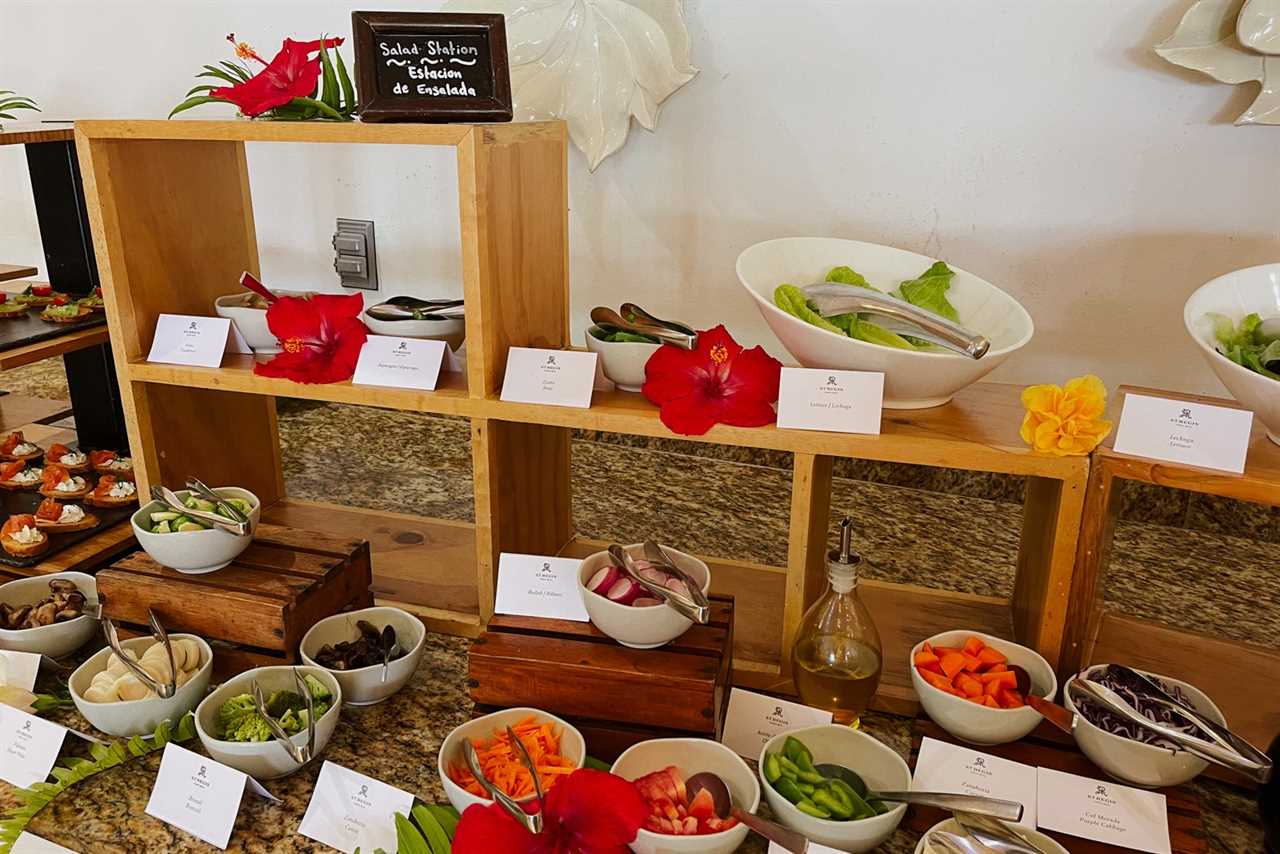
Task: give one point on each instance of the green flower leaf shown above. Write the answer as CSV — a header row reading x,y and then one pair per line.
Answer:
x,y
203,88
236,70
321,108
195,102
344,79
328,80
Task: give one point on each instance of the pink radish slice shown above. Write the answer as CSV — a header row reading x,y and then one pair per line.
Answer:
x,y
677,585
655,575
646,602
603,580
624,591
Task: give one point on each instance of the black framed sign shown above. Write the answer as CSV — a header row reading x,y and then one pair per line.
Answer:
x,y
431,67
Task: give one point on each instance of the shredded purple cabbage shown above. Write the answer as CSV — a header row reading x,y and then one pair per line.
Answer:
x,y
1136,695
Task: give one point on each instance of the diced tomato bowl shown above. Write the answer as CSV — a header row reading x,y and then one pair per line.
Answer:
x,y
966,686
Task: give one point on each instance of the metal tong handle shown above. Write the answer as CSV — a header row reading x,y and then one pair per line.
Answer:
x,y
1208,751
610,319
993,807
833,299
164,690
301,754
533,772
631,310
195,484
676,601
657,555
531,823
790,840
170,499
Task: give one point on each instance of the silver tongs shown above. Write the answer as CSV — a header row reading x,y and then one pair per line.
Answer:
x,y
995,834
693,606
637,321
832,298
530,821
1226,748
170,499
412,308
166,689
228,509
299,753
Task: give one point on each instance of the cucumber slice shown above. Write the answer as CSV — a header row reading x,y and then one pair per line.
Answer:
x,y
164,516
199,504
161,528
189,526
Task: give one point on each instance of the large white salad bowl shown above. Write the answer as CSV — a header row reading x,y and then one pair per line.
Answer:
x,y
1247,291
912,379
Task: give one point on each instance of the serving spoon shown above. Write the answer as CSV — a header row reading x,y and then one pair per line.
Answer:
x,y
993,807
722,799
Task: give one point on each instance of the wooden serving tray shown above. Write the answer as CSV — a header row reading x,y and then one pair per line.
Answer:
x,y
257,609
1050,747
615,695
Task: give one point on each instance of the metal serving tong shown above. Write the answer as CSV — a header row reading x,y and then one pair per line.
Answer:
x,y
170,499
412,308
994,834
165,689
640,322
694,606
832,298
196,485
301,754
1226,748
531,821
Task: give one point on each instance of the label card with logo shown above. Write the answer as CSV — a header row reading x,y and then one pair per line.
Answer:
x,y
183,339
19,668
349,811
820,399
753,719
1184,431
943,767
557,377
196,794
537,586
29,843
1104,811
28,747
400,362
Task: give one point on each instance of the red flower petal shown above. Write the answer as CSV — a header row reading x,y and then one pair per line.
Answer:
x,y
755,373
670,372
691,415
291,74
485,829
294,317
590,812
320,338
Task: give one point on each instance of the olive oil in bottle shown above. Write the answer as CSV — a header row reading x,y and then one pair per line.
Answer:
x,y
836,659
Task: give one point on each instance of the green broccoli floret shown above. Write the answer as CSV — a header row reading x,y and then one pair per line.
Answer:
x,y
317,689
292,721
252,728
284,701
233,713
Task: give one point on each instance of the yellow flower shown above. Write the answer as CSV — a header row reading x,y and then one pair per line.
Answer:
x,y
1067,420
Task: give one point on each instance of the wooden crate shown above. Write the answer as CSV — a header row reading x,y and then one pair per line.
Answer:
x,y
257,609
615,695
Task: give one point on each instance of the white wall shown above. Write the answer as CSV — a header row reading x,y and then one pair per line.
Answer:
x,y
1038,143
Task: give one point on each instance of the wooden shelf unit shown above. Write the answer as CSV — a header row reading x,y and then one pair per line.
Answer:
x,y
173,228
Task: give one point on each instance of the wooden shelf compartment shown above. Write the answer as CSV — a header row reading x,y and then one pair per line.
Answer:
x,y
21,133
77,339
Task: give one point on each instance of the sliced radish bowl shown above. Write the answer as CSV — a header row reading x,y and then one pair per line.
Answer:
x,y
624,610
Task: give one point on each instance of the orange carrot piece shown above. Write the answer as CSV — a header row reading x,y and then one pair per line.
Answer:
x,y
972,646
971,662
970,686
990,702
952,663
1011,699
990,657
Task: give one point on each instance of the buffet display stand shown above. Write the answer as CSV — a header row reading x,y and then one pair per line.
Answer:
x,y
1239,676
174,228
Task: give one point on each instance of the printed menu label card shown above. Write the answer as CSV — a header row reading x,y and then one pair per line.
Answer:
x,y
400,362
557,377
29,843
943,767
19,668
1184,431
28,747
183,339
349,811
820,399
1104,811
753,719
196,794
537,586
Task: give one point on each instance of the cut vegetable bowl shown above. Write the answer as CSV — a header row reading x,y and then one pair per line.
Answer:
x,y
189,546
138,717
623,611
56,639
913,378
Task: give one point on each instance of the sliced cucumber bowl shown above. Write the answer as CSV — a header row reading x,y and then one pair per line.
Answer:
x,y
167,521
187,545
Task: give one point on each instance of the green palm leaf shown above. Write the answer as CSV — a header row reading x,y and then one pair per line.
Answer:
x,y
329,81
195,102
238,71
320,107
348,91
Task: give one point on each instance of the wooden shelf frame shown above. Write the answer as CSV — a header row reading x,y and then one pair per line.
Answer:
x,y
170,203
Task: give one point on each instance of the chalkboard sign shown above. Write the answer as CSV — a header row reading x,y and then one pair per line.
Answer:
x,y
431,67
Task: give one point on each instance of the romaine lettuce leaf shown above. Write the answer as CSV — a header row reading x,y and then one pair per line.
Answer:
x,y
1245,345
792,300
847,276
929,291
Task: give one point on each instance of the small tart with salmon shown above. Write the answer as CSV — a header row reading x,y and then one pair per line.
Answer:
x,y
16,475
16,447
112,492
109,462
58,518
21,537
76,462
57,482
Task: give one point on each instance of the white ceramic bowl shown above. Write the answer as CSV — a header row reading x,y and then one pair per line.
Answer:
x,y
1046,844
482,728
264,760
139,717
1254,289
58,639
976,724
195,552
622,361
251,322
638,628
691,756
1136,763
912,379
364,686
879,765
451,330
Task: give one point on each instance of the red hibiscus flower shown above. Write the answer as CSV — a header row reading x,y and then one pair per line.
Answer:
x,y
716,383
588,812
320,338
292,74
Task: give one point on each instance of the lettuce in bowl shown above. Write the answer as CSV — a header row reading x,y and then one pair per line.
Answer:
x,y
1248,344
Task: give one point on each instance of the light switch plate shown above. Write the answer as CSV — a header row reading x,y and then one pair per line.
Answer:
x,y
355,259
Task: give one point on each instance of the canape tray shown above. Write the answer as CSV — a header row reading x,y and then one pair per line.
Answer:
x,y
16,502
255,611
29,328
616,696
1049,747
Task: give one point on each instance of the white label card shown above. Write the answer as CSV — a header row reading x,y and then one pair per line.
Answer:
x,y
400,362
814,848
29,843
1104,811
537,586
183,339
28,747
196,794
820,399
943,767
349,811
753,719
1184,431
19,669
557,377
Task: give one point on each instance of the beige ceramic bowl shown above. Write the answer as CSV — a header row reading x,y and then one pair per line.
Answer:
x,y
623,362
195,552
638,628
365,686
58,639
139,717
